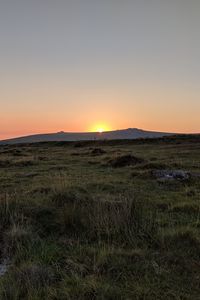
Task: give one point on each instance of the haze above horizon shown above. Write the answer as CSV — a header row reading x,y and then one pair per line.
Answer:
x,y
99,65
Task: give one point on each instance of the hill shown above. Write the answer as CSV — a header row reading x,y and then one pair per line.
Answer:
x,y
130,133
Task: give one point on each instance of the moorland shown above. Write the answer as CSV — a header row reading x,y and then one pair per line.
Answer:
x,y
100,219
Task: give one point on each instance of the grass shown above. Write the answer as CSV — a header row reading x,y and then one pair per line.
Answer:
x,y
88,220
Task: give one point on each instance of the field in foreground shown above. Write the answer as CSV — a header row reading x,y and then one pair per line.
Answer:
x,y
100,220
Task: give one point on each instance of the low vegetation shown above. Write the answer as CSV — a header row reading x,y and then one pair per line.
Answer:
x,y
90,220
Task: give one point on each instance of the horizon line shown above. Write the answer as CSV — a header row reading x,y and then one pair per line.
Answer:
x,y
96,132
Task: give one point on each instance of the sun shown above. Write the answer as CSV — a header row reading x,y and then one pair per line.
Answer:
x,y
100,128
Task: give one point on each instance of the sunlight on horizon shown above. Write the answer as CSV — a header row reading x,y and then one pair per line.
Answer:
x,y
101,127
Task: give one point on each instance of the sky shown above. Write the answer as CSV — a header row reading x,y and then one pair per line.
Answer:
x,y
80,65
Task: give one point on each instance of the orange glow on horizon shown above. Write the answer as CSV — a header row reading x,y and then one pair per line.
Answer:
x,y
100,127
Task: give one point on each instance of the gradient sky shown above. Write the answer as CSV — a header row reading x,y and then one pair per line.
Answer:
x,y
74,65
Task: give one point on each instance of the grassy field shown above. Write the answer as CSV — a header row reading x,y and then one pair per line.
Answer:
x,y
90,220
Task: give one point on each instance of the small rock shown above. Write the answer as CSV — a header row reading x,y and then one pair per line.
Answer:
x,y
4,267
156,267
171,174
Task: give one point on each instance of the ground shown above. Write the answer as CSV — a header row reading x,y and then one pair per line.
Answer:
x,y
90,220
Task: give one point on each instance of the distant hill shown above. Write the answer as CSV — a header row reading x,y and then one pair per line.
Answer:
x,y
130,133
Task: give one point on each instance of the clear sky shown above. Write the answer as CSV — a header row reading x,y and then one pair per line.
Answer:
x,y
76,65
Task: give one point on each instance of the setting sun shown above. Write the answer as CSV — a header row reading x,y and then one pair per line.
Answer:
x,y
100,128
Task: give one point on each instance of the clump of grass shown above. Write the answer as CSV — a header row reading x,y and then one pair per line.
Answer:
x,y
35,275
9,208
14,152
125,160
24,162
153,166
42,190
15,238
79,144
97,151
163,206
122,219
28,282
186,207
62,196
141,174
44,219
17,152
119,262
88,287
183,240
4,163
76,268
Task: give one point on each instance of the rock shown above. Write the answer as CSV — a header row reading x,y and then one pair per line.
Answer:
x,y
156,268
4,267
171,174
